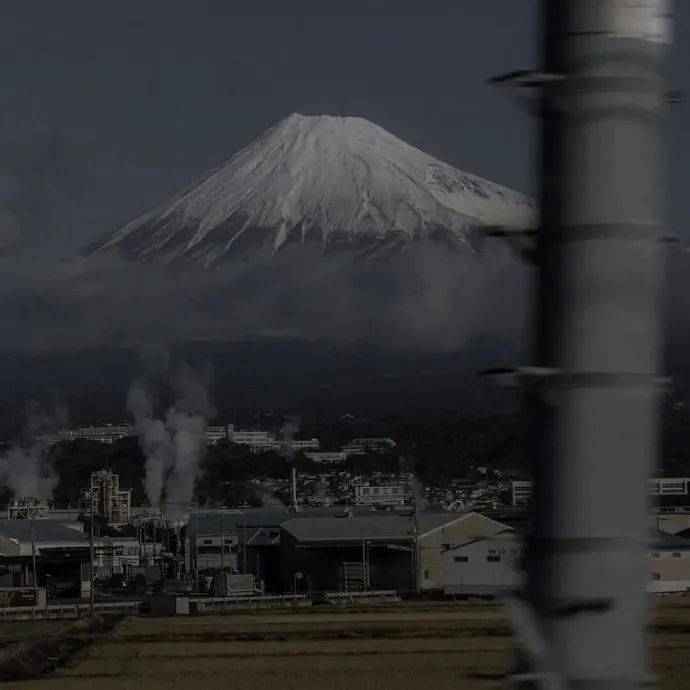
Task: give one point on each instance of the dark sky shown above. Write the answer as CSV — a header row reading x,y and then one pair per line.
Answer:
x,y
108,107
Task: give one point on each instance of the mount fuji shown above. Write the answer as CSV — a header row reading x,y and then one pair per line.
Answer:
x,y
336,183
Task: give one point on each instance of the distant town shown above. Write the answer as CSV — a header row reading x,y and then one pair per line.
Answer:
x,y
329,521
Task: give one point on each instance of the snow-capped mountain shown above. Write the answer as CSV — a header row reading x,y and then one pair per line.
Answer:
x,y
343,182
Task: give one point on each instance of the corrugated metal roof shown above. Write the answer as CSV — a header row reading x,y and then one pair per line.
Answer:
x,y
664,541
381,528
209,522
43,531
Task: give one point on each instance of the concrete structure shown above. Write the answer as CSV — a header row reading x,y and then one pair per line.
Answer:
x,y
105,499
522,493
107,433
305,444
213,434
485,566
669,492
669,564
329,457
254,439
400,552
215,551
121,555
57,550
249,540
387,495
370,445
27,508
668,486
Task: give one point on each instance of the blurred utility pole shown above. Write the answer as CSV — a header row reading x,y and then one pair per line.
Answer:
x,y
594,388
92,593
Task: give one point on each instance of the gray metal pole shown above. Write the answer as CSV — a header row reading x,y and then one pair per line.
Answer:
x,y
33,554
222,542
92,593
595,408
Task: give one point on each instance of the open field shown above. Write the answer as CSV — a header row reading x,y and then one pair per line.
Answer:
x,y
431,646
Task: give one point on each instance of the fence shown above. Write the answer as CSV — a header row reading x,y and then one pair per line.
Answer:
x,y
254,601
344,598
68,610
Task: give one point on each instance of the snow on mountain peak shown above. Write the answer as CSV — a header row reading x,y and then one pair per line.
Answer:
x,y
341,181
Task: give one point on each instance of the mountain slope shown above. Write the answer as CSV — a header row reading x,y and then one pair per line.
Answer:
x,y
341,182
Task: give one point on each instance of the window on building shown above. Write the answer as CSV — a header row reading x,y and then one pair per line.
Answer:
x,y
493,558
228,540
655,554
426,574
677,554
208,541
656,576
445,547
461,559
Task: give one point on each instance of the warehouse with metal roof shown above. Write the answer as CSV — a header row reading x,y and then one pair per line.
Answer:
x,y
375,552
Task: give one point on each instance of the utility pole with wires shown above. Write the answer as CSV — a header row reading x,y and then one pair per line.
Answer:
x,y
245,505
33,554
91,557
594,387
222,542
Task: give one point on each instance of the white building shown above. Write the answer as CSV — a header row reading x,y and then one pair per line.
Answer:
x,y
484,565
108,433
258,441
668,486
305,444
388,495
370,445
333,457
213,434
522,492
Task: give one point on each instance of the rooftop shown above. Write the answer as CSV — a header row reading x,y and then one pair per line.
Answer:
x,y
42,531
384,527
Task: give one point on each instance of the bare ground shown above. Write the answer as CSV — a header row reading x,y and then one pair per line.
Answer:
x,y
427,646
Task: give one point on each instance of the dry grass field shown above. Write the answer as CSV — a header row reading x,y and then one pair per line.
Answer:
x,y
432,646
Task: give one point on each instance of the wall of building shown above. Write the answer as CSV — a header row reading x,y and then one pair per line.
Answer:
x,y
431,545
669,571
322,566
484,567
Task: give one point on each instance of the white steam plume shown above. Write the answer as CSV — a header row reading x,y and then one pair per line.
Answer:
x,y
174,447
26,467
154,439
287,436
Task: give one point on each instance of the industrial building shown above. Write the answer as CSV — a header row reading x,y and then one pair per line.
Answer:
x,y
27,508
522,491
105,499
58,551
387,495
242,541
108,433
333,457
401,552
669,563
484,566
369,445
